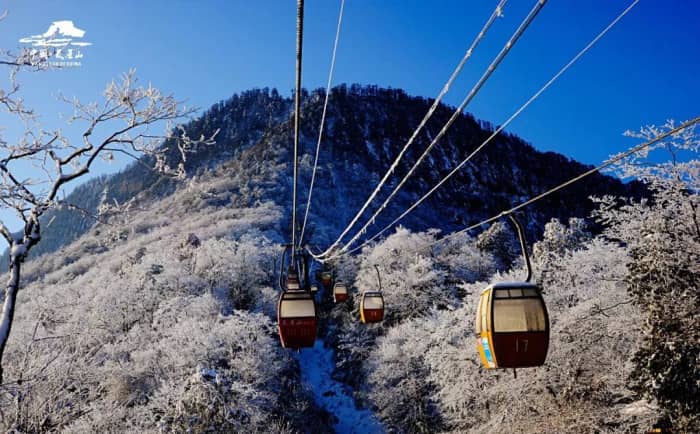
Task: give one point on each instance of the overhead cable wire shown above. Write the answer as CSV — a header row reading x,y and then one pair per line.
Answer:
x,y
498,12
297,99
458,111
323,119
573,180
502,127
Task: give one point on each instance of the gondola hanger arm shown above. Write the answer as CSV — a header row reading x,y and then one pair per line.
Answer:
x,y
523,244
379,277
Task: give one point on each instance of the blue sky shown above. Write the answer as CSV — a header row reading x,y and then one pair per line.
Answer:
x,y
645,71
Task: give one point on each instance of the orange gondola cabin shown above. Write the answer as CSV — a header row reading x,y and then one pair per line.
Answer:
x,y
296,319
340,292
371,307
512,326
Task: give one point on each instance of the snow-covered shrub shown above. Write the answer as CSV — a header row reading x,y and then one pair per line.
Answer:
x,y
663,278
463,261
138,341
345,268
559,239
228,374
399,379
235,268
576,276
354,343
501,241
412,282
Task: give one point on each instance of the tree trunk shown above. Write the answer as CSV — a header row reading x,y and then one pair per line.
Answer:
x,y
8,308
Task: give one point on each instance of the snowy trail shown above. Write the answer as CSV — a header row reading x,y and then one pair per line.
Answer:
x,y
316,369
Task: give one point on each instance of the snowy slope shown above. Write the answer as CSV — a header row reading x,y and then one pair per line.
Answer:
x,y
317,367
366,128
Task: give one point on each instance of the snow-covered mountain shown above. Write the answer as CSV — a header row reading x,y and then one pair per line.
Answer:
x,y
366,128
163,318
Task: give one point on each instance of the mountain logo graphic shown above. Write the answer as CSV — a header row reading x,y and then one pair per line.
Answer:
x,y
59,34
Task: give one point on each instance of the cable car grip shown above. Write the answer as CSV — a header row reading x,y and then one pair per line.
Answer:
x,y
523,244
379,277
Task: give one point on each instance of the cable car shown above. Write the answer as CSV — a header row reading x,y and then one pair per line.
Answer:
x,y
512,326
371,307
296,319
372,303
340,292
327,279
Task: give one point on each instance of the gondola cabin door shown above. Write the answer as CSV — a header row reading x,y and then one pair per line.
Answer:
x,y
512,326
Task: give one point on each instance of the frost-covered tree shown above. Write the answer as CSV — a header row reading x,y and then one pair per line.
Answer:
x,y
426,371
464,261
663,275
399,379
345,268
500,241
121,123
240,278
132,338
559,238
412,282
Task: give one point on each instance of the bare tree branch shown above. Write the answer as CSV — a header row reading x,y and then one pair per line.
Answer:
x,y
127,113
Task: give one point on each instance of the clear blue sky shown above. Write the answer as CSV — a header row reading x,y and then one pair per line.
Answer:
x,y
645,71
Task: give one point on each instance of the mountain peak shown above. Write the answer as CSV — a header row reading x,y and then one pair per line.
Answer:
x,y
366,127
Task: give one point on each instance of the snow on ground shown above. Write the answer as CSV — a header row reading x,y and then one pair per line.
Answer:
x,y
316,369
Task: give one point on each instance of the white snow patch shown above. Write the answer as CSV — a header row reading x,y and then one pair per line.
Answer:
x,y
316,369
639,409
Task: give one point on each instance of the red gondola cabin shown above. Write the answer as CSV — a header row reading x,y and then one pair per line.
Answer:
x,y
340,292
371,307
296,319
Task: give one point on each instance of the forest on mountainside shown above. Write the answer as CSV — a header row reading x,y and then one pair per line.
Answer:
x,y
185,292
366,126
163,319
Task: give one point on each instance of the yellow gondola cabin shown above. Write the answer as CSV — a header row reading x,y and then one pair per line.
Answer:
x,y
512,326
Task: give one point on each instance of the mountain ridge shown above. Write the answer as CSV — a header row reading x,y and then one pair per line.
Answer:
x,y
366,126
